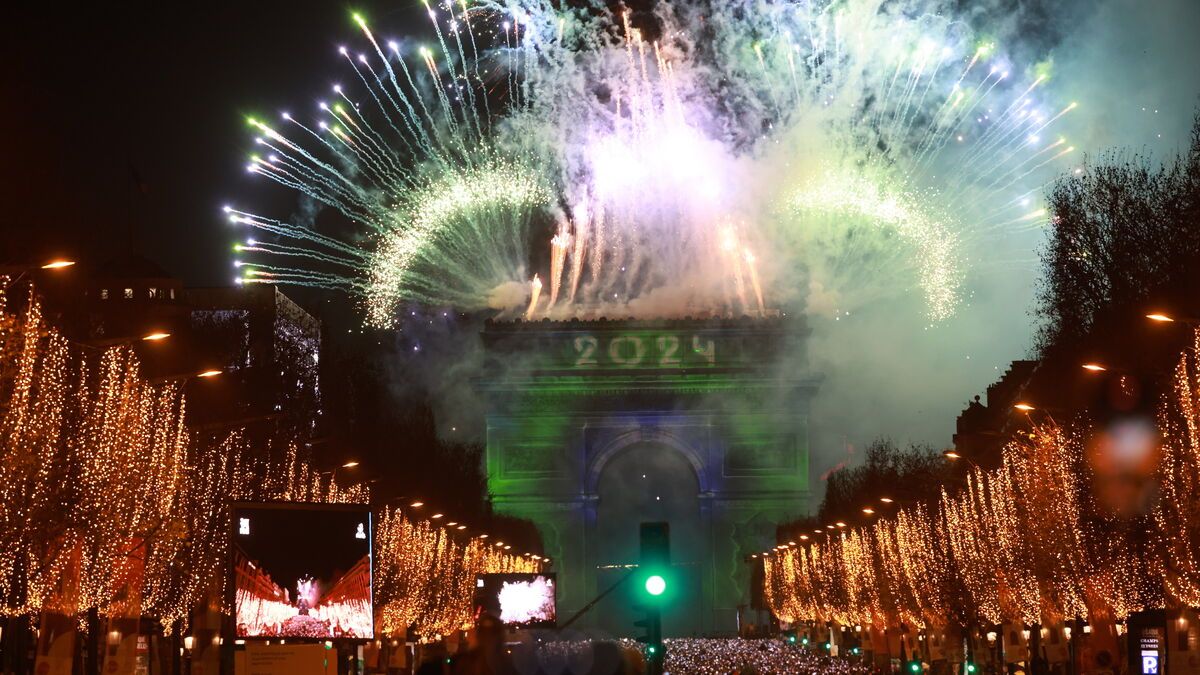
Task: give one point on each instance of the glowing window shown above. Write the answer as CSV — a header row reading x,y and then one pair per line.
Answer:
x,y
128,293
103,293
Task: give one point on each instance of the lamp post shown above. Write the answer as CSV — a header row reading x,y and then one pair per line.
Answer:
x,y
1163,317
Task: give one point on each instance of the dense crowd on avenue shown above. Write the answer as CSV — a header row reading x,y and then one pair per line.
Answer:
x,y
713,656
685,656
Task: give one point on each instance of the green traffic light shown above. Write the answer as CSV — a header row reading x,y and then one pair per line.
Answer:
x,y
915,666
656,585
970,667
827,645
652,649
804,641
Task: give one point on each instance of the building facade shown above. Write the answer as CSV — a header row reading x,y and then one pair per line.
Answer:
x,y
596,426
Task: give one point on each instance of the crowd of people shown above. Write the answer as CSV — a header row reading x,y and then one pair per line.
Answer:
x,y
701,656
684,656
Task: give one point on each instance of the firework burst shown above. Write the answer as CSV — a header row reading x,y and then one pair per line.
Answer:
x,y
550,162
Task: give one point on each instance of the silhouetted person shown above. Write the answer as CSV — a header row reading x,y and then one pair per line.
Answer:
x,y
608,659
488,654
436,661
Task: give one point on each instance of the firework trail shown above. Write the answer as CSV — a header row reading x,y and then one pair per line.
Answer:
x,y
860,153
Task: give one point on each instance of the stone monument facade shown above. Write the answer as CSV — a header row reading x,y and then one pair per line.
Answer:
x,y
594,426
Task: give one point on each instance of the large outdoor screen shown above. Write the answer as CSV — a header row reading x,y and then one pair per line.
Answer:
x,y
519,600
302,571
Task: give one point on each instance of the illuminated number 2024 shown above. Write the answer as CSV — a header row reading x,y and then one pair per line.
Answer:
x,y
585,347
630,350
668,350
618,350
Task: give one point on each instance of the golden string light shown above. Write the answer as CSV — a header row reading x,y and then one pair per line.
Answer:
x,y
107,502
1028,542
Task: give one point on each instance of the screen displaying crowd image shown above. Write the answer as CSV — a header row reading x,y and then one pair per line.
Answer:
x,y
518,600
302,571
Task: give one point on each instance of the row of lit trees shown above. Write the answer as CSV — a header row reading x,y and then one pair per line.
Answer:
x,y
425,578
108,505
1090,521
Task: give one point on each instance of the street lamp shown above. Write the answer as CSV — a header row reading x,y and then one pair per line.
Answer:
x,y
57,264
886,500
350,465
156,336
953,455
1024,407
209,373
1094,367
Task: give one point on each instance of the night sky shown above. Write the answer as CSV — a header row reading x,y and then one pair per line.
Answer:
x,y
125,117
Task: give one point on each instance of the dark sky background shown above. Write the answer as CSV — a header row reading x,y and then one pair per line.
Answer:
x,y
132,115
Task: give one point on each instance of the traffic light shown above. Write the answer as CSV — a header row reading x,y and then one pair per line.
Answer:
x,y
656,585
969,668
654,568
652,638
655,574
914,667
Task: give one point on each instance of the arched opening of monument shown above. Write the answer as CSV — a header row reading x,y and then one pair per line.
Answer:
x,y
645,482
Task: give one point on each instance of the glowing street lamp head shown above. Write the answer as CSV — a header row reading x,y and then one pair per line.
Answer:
x,y
1160,317
951,454
57,264
208,373
886,500
154,337
656,585
350,465
417,505
1094,367
1024,407
868,510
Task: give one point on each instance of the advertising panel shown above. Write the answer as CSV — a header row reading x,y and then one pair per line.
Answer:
x,y
302,571
518,600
